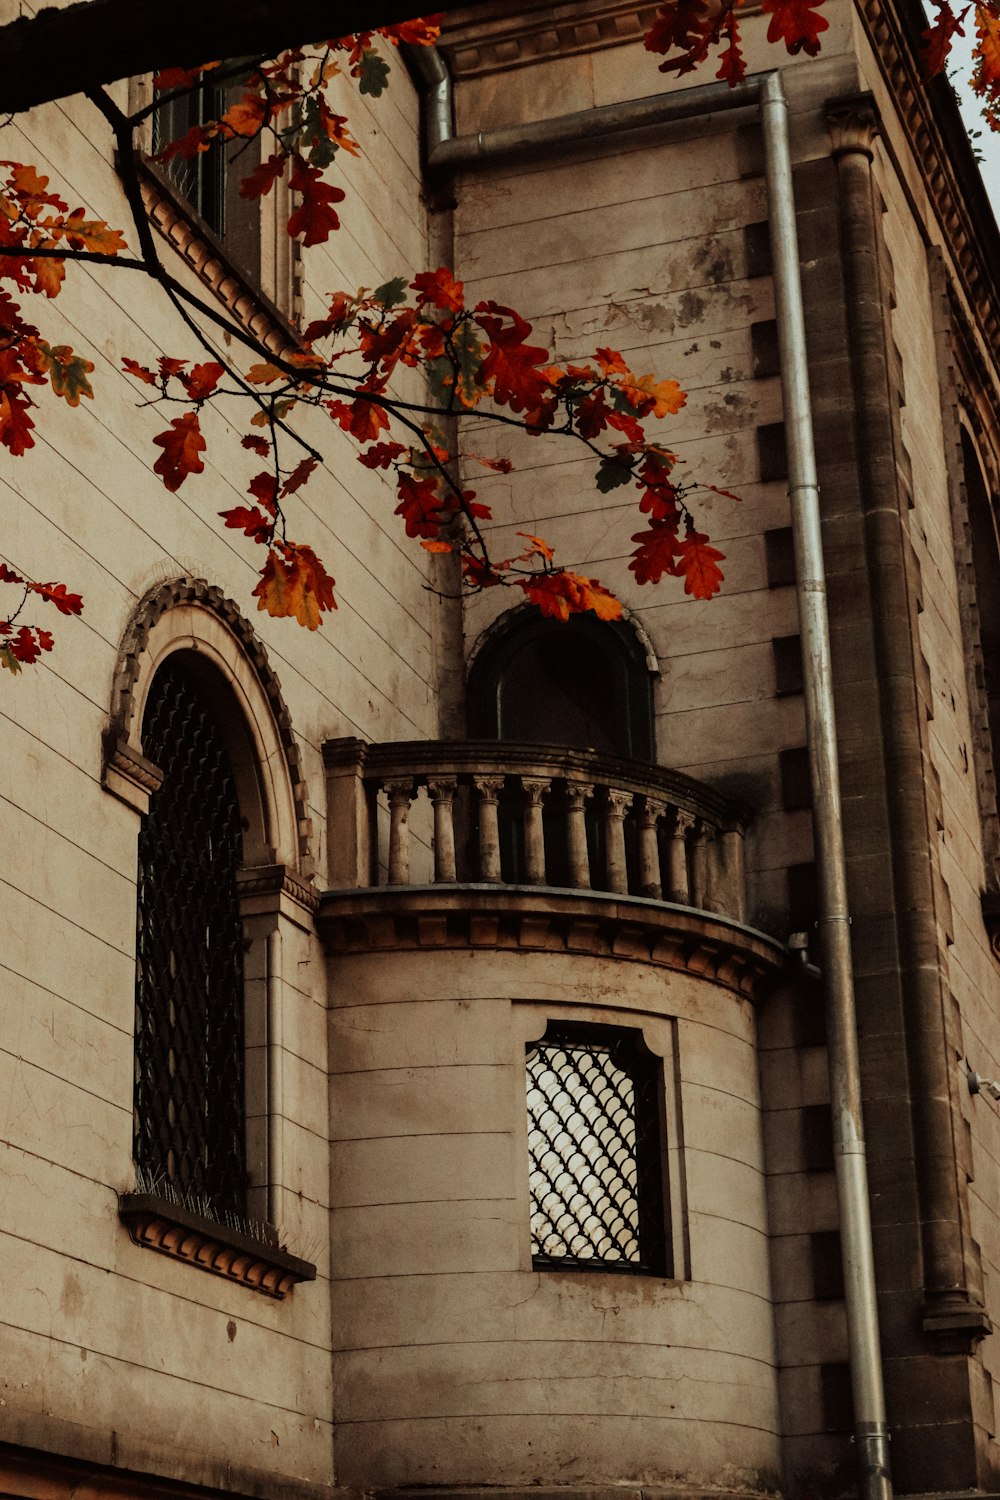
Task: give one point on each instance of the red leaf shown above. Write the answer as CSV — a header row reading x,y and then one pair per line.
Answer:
x,y
419,505
24,647
256,444
259,182
182,447
139,371
440,289
252,523
314,219
298,477
55,593
796,23
264,487
511,366
362,418
381,455
7,576
202,380
656,553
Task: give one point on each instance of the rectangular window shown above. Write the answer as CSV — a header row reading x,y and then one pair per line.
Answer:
x,y
595,1146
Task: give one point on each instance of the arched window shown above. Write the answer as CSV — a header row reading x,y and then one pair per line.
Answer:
x,y
985,539
190,1111
581,682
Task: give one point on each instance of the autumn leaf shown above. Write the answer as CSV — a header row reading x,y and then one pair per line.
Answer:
x,y
652,397
381,455
422,32
68,373
182,447
314,219
294,582
139,371
440,289
299,476
363,419
265,373
699,564
15,424
203,379
796,23
55,593
256,444
987,48
510,368
252,523
7,575
419,505
259,182
263,488
656,553
245,117
49,272
91,234
937,38
561,594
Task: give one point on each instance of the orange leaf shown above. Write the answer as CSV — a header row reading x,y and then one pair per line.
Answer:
x,y
182,447
699,564
440,289
55,593
657,552
364,419
245,118
139,371
202,380
559,595
265,374
91,234
295,583
651,397
987,47
49,274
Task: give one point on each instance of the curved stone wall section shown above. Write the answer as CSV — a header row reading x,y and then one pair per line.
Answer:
x,y
457,1364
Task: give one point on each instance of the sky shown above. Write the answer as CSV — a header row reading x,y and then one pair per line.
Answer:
x,y
987,144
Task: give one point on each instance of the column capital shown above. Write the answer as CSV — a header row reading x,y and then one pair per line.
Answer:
x,y
853,123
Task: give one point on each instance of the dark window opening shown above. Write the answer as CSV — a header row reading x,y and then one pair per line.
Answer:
x,y
582,683
189,1107
986,564
210,181
595,1147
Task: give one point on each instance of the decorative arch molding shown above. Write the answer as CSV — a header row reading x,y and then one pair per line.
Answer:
x,y
191,615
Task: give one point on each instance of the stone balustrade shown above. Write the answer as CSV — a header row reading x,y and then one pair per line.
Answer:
x,y
488,813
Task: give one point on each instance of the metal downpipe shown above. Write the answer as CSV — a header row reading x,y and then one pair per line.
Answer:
x,y
871,1431
446,151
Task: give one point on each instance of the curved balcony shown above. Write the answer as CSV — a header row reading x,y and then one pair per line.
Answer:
x,y
436,843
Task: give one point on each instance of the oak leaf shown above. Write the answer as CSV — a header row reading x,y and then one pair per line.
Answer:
x,y
510,368
294,582
440,289
68,373
56,593
797,23
699,564
182,446
314,219
203,379
259,182
561,594
251,522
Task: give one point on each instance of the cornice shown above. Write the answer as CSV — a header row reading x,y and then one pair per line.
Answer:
x,y
155,1224
205,253
275,881
590,924
516,32
940,144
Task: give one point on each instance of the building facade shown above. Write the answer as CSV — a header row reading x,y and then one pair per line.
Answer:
x,y
415,1061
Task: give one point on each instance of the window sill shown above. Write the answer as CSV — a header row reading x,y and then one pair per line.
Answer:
x,y
155,1224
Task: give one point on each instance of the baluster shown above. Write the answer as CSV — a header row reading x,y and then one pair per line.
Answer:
x,y
701,865
442,792
577,793
649,850
616,806
732,850
677,865
489,788
399,791
534,788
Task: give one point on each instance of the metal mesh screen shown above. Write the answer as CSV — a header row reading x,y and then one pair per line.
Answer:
x,y
595,1162
189,1105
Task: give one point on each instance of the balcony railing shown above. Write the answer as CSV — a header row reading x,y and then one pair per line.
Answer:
x,y
483,812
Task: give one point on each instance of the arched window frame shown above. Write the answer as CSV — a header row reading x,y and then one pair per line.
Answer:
x,y
195,621
506,635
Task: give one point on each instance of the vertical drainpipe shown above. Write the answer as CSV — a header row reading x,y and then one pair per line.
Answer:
x,y
871,1431
445,149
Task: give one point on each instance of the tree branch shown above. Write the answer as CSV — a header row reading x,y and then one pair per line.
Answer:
x,y
94,42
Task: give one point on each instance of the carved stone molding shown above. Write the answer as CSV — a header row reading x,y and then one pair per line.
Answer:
x,y
590,923
130,776
166,1227
939,141
191,237
514,32
853,124
122,760
276,881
